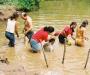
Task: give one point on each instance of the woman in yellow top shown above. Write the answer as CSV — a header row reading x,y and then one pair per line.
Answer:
x,y
80,34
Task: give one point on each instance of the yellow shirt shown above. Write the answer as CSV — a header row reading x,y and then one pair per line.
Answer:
x,y
80,32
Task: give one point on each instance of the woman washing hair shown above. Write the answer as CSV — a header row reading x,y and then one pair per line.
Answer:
x,y
68,30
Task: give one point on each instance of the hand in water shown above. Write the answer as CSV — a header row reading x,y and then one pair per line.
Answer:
x,y
73,38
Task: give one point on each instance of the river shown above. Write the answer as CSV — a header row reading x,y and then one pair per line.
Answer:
x,y
57,14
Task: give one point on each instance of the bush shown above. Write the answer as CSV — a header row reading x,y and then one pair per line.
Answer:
x,y
23,5
1,2
27,5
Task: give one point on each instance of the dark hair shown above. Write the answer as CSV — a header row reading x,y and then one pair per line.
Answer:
x,y
49,29
24,14
72,30
14,16
73,23
52,40
84,23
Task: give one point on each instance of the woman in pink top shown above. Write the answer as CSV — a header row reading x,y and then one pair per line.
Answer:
x,y
68,30
39,37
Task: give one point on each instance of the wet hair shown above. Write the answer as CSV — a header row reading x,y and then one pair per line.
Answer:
x,y
73,23
84,23
52,40
72,30
49,29
15,15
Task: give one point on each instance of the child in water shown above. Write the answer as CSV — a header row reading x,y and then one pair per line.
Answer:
x,y
68,30
12,27
80,34
39,37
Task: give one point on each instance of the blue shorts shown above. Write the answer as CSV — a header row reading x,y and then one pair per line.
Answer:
x,y
35,45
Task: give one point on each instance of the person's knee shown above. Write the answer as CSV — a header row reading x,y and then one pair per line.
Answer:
x,y
36,48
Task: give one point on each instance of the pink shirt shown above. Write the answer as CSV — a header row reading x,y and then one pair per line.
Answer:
x,y
67,31
40,35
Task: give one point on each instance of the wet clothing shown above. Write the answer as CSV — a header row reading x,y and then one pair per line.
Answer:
x,y
10,32
40,36
67,31
11,26
80,36
61,38
64,34
37,39
29,35
11,38
36,46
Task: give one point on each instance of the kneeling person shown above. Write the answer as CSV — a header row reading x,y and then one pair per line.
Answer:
x,y
39,37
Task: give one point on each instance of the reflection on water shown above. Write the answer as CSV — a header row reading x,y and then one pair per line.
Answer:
x,y
57,14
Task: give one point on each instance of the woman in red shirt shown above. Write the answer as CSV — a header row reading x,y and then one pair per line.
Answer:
x,y
39,37
68,30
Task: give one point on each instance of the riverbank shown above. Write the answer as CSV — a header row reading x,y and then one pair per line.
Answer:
x,y
6,11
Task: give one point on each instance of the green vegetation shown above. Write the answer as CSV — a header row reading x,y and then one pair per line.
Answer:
x,y
28,5
24,5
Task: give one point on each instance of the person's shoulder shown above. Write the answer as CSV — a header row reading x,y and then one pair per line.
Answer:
x,y
29,17
67,27
83,29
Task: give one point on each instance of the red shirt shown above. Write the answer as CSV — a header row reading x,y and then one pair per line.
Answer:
x,y
67,31
40,35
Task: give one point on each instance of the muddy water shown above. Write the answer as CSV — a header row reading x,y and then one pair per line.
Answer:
x,y
57,14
